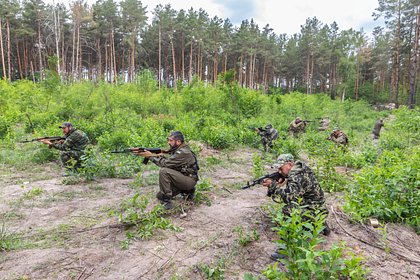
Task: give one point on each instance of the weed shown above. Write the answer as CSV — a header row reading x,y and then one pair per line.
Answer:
x,y
215,272
246,238
34,192
299,241
134,213
257,166
8,241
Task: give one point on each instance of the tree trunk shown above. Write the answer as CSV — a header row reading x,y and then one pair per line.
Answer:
x,y
160,55
39,52
173,62
191,59
9,63
19,61
2,52
414,64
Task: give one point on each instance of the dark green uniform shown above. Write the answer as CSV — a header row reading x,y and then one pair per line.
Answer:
x,y
301,183
178,172
72,148
377,129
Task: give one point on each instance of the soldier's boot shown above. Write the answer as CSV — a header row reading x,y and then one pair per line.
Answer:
x,y
276,256
326,230
165,201
189,195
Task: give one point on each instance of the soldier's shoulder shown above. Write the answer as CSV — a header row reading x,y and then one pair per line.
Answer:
x,y
184,149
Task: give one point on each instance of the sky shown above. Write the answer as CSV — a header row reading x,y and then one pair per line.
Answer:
x,y
284,16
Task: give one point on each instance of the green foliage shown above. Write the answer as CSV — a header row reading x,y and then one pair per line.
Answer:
x,y
245,238
34,192
202,189
257,166
215,272
8,241
389,190
103,164
299,242
134,212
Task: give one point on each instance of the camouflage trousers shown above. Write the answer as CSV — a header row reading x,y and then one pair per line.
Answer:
x,y
267,143
172,182
312,209
71,159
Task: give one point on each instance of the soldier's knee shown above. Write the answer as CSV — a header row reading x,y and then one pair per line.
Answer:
x,y
164,171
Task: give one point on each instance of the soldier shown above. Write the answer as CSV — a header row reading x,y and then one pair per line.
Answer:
x,y
178,173
268,135
339,137
296,127
300,183
72,148
377,129
324,124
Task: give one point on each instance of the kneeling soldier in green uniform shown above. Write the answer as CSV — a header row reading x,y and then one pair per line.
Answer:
x,y
178,173
72,148
301,183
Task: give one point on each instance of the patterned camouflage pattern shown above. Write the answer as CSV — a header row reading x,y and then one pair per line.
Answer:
x,y
301,183
268,135
72,148
339,137
178,172
377,129
324,123
296,127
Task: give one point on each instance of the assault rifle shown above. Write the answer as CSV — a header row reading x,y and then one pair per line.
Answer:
x,y
135,150
50,138
274,176
255,128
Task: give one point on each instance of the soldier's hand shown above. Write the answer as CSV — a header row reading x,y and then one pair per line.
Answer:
x,y
145,154
267,182
45,141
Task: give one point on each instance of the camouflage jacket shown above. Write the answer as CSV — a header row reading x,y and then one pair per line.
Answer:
x,y
181,159
270,134
341,138
76,140
301,183
297,127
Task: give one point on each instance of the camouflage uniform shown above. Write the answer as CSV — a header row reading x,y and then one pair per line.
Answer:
x,y
301,183
178,172
72,148
377,129
296,127
268,135
340,138
324,124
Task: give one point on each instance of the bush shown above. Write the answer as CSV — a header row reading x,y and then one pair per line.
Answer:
x,y
389,190
299,242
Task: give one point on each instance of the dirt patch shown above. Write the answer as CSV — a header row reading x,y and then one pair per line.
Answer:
x,y
74,237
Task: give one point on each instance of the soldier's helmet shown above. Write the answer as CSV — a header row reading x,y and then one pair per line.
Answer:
x,y
268,126
283,159
298,119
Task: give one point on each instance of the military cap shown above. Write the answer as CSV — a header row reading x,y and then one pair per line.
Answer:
x,y
65,124
283,159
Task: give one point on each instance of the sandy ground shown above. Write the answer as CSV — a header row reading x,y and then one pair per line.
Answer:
x,y
69,233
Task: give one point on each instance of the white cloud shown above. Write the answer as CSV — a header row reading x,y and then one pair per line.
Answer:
x,y
284,16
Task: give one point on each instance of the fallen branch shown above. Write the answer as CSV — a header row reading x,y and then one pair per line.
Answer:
x,y
225,189
370,244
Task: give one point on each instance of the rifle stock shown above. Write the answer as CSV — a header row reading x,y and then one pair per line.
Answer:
x,y
140,149
274,176
50,138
